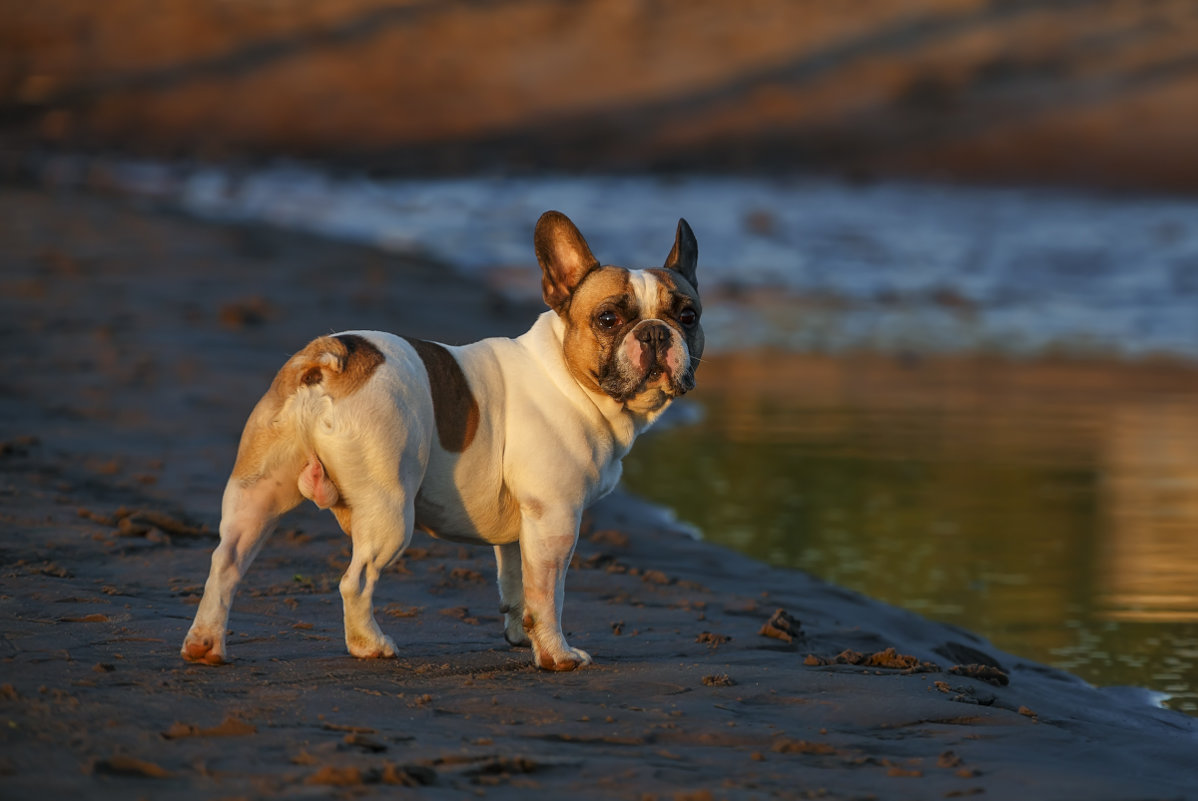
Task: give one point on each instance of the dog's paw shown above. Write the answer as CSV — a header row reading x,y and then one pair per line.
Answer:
x,y
383,648
516,636
569,659
203,649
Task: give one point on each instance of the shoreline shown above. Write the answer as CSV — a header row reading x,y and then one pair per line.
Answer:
x,y
808,265
126,388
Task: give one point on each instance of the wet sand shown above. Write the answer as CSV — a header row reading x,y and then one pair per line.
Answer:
x,y
135,344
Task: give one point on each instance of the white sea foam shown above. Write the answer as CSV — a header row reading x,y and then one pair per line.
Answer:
x,y
805,264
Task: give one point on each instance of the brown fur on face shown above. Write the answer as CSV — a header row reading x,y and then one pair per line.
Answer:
x,y
586,348
591,352
579,290
674,291
340,365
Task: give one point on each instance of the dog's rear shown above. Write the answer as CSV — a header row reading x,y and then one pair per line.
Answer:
x,y
277,440
278,465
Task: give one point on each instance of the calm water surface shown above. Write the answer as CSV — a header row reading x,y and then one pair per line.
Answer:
x,y
1051,508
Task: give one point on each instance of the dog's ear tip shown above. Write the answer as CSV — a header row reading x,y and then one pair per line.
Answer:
x,y
684,229
684,255
554,225
552,216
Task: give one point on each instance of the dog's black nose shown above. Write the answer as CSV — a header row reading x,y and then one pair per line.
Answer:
x,y
655,336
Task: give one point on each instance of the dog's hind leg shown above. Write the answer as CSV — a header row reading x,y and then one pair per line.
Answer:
x,y
511,593
379,521
248,515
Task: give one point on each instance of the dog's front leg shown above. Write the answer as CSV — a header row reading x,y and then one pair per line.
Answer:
x,y
546,545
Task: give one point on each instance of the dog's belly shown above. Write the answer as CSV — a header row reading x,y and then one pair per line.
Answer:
x,y
445,516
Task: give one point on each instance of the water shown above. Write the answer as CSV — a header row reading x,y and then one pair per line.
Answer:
x,y
1053,508
809,265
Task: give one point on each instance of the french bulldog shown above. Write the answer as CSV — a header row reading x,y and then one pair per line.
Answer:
x,y
503,442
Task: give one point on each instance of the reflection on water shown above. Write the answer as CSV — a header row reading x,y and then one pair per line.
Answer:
x,y
1051,507
1148,559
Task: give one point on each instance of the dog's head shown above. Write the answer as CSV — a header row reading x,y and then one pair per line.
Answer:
x,y
631,334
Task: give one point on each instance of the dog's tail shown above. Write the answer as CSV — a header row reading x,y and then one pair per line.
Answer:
x,y
339,365
277,439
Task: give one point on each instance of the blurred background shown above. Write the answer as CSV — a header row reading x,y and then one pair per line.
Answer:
x,y
1099,92
949,249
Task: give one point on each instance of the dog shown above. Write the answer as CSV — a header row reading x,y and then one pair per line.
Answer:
x,y
502,442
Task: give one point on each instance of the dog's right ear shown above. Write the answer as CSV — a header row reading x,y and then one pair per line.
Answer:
x,y
564,257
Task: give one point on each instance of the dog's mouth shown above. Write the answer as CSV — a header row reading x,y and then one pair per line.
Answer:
x,y
656,378
660,377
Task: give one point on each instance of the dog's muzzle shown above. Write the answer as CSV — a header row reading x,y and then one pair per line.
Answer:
x,y
651,367
655,339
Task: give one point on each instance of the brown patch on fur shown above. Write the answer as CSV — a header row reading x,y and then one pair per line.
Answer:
x,y
340,364
585,350
361,359
454,406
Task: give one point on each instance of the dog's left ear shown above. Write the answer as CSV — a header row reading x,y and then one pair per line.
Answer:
x,y
684,256
564,257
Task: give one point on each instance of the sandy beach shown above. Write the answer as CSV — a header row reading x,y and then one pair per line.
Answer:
x,y
136,342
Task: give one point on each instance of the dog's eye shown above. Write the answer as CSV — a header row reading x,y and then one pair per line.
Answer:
x,y
607,320
688,317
